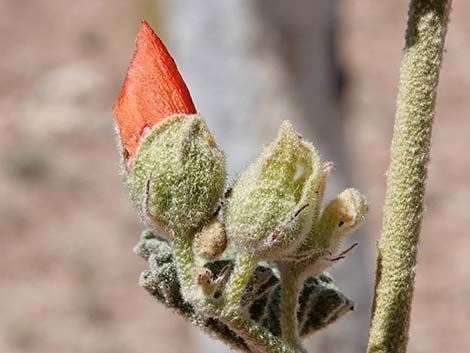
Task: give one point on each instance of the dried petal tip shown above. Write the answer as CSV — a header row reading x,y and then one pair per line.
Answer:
x,y
152,90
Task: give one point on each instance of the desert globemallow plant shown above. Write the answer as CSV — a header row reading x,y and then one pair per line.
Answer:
x,y
244,262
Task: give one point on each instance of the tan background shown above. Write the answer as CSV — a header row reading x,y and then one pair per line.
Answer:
x,y
68,278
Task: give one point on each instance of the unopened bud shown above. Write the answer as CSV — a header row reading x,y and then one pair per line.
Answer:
x,y
177,175
271,205
210,242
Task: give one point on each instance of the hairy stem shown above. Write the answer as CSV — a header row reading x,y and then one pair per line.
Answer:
x,y
256,337
403,209
290,288
184,259
244,266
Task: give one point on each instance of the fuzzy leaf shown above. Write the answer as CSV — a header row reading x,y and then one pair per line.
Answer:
x,y
320,303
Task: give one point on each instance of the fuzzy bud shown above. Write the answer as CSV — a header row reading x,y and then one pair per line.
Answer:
x,y
271,205
171,166
210,242
341,216
177,175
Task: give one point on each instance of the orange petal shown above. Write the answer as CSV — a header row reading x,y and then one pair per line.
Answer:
x,y
152,90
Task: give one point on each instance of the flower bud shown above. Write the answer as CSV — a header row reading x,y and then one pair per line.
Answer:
x,y
152,90
210,242
177,175
271,206
341,216
171,166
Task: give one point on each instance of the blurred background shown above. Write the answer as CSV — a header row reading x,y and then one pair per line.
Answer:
x,y
68,277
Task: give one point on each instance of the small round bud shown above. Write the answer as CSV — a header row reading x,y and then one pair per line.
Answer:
x,y
211,241
202,276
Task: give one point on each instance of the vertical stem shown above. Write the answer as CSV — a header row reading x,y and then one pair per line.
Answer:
x,y
290,287
403,209
256,337
184,259
244,266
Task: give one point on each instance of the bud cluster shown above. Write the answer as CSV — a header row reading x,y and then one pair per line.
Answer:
x,y
205,263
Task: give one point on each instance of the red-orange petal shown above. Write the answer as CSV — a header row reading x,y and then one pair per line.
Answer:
x,y
152,90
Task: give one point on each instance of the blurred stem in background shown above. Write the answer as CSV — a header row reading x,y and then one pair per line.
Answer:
x,y
403,210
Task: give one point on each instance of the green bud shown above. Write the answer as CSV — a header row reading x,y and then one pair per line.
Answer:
x,y
272,204
177,175
343,214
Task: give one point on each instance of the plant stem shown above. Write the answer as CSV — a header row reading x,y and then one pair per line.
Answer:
x,y
258,338
403,209
184,259
255,336
290,287
244,266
